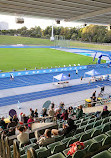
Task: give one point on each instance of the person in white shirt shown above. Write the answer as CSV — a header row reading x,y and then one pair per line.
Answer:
x,y
23,137
46,138
51,112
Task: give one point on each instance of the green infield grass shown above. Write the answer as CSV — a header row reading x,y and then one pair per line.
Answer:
x,y
21,58
10,40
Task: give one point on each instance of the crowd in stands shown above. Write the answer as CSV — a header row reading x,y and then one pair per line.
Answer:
x,y
23,124
67,116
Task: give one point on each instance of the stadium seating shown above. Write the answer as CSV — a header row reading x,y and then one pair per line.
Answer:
x,y
104,154
95,135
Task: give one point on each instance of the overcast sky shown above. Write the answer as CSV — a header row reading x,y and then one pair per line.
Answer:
x,y
32,22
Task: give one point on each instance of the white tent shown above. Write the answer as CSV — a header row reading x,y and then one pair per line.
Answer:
x,y
92,73
61,77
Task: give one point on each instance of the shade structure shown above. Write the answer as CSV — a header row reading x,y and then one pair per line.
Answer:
x,y
61,77
92,73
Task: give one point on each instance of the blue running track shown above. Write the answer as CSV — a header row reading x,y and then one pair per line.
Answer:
x,y
30,80
49,93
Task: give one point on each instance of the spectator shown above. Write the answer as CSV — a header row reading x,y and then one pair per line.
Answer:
x,y
61,105
23,137
15,119
64,115
11,126
26,129
46,138
53,105
105,112
51,112
79,112
36,113
71,113
70,110
67,128
24,118
30,120
58,114
31,112
3,124
44,112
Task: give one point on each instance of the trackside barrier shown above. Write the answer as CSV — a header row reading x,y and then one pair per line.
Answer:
x,y
41,71
94,66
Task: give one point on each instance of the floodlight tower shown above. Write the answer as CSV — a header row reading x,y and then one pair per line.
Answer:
x,y
52,35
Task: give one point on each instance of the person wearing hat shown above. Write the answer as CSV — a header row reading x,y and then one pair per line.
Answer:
x,y
105,112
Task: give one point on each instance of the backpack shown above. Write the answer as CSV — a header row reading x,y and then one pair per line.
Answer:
x,y
74,147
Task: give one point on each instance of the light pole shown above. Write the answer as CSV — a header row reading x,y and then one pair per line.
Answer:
x,y
52,35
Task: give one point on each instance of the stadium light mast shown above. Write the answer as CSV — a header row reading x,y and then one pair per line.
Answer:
x,y
52,35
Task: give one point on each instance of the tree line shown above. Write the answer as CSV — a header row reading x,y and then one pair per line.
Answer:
x,y
90,33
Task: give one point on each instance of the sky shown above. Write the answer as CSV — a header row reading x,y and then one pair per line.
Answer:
x,y
32,22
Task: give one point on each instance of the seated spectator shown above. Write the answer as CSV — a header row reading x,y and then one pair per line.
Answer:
x,y
46,138
24,118
31,112
26,129
67,128
58,114
51,112
70,109
35,113
44,112
3,124
52,105
30,120
11,126
23,137
105,112
15,119
64,115
79,112
61,106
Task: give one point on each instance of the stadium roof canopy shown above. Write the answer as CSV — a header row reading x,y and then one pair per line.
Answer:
x,y
87,11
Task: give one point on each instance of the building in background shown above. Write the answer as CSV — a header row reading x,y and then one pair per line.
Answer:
x,y
4,25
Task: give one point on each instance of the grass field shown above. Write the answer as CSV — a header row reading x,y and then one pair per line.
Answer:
x,y
21,58
7,40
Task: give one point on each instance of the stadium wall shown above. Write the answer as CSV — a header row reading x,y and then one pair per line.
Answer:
x,y
43,71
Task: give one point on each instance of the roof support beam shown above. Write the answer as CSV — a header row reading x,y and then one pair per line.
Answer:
x,y
90,15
